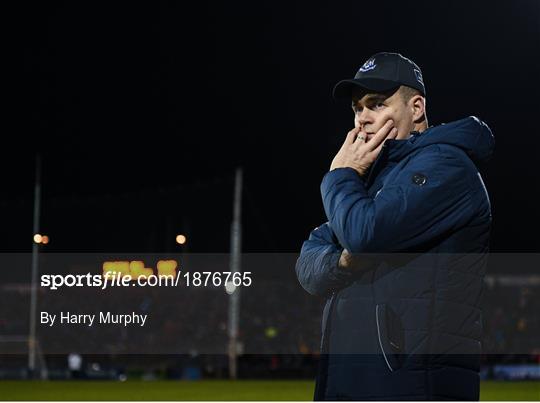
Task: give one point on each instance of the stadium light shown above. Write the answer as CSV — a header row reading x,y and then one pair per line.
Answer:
x,y
230,287
43,239
181,239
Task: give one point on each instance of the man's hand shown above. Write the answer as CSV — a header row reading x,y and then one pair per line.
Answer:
x,y
357,153
352,263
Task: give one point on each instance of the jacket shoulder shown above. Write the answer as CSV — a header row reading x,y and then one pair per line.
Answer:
x,y
469,122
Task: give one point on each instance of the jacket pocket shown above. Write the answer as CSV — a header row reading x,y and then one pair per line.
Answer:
x,y
391,336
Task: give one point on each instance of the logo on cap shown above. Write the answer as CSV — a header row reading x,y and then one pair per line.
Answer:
x,y
418,75
369,65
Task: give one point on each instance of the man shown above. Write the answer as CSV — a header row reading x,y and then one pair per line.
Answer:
x,y
404,323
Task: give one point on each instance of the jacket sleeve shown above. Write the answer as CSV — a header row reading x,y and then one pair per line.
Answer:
x,y
317,266
431,195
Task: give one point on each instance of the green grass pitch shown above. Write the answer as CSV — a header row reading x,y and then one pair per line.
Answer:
x,y
210,390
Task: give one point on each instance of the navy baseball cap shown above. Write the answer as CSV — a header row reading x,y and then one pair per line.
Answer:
x,y
383,72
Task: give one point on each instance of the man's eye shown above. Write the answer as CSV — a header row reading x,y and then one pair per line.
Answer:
x,y
378,105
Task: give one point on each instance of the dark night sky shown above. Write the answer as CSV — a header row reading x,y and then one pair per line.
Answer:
x,y
143,110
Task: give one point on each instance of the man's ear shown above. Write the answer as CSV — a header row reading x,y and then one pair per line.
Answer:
x,y
418,106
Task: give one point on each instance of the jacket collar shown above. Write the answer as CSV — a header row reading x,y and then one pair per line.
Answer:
x,y
469,134
392,151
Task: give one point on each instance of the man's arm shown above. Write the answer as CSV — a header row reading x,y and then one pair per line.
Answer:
x,y
434,194
317,268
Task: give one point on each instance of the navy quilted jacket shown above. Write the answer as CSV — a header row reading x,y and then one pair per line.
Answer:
x,y
409,326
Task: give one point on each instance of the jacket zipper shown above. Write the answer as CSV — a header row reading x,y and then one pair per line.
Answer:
x,y
326,331
380,340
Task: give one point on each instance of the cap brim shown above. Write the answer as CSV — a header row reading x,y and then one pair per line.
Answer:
x,y
344,88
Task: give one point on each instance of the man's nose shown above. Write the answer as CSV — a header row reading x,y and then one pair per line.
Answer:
x,y
362,118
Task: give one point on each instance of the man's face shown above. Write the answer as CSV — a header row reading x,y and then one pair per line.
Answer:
x,y
373,110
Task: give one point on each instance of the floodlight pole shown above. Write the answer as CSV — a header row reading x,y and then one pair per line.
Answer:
x,y
234,297
35,261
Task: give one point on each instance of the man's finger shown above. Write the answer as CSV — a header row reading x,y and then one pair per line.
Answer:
x,y
376,151
381,134
360,139
351,136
